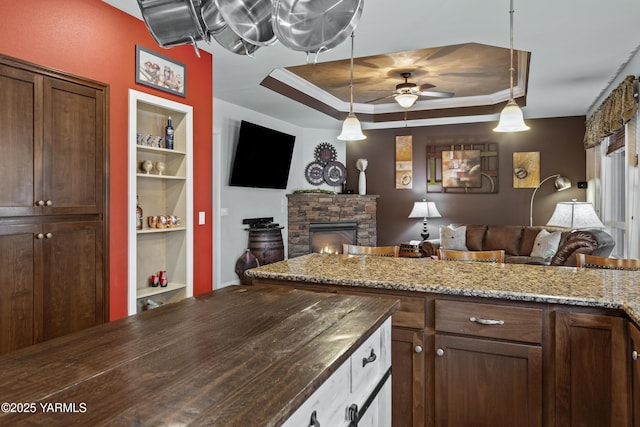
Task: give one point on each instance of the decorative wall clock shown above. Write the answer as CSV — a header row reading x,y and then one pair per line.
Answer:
x,y
325,153
335,173
314,173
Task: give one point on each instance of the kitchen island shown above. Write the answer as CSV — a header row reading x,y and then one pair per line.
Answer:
x,y
240,356
495,344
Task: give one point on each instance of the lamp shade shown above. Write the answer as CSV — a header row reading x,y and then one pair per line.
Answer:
x,y
424,209
406,100
351,130
511,119
575,215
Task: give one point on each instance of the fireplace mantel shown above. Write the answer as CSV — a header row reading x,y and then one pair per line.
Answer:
x,y
305,208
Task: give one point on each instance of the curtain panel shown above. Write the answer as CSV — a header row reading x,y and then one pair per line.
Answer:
x,y
613,113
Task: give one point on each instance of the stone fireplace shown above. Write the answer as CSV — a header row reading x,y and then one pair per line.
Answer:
x,y
317,208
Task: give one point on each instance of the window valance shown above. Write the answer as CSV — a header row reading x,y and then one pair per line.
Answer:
x,y
613,113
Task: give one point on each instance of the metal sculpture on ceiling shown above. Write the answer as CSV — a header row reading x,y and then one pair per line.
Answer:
x,y
243,26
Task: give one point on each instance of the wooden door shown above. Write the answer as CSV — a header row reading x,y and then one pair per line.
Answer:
x,y
634,352
18,280
408,397
485,383
21,141
591,370
73,148
73,288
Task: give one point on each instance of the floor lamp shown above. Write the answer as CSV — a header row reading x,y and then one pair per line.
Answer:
x,y
561,183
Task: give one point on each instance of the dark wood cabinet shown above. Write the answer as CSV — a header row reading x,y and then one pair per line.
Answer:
x,y
591,375
53,145
52,282
409,395
634,351
480,382
488,364
53,205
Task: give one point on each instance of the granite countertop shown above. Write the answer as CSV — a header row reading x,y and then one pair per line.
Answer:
x,y
561,285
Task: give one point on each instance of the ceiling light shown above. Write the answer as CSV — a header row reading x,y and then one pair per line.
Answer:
x,y
351,130
511,118
406,100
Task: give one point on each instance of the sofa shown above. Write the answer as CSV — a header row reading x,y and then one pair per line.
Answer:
x,y
524,244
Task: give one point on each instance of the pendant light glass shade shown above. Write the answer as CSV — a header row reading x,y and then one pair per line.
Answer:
x,y
511,117
351,130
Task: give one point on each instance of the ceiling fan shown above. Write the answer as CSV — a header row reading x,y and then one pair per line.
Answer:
x,y
407,93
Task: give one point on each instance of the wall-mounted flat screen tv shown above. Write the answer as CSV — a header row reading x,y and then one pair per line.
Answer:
x,y
263,157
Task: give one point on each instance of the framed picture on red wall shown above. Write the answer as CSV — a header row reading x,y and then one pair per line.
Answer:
x,y
160,72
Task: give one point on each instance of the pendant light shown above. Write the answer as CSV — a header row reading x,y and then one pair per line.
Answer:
x,y
511,118
351,130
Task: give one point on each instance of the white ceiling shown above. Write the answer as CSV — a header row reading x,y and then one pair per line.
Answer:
x,y
577,48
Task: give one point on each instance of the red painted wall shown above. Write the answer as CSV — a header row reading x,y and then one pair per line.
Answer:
x,y
91,39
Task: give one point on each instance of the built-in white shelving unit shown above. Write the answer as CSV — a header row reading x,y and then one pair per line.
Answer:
x,y
169,192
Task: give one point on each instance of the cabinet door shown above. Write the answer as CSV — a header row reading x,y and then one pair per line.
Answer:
x,y
634,336
21,141
73,148
591,370
408,357
486,383
17,285
72,289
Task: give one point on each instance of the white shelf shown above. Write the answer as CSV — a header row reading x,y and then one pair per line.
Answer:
x,y
159,150
150,291
156,176
155,249
160,230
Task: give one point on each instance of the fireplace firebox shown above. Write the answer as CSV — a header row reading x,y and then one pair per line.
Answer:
x,y
328,237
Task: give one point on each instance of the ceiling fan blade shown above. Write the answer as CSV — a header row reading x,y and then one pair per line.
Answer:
x,y
435,94
378,99
426,86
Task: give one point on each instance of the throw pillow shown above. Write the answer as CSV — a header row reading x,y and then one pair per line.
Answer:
x,y
453,238
546,244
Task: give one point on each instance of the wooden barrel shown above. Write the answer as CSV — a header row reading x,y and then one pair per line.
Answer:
x,y
266,244
410,251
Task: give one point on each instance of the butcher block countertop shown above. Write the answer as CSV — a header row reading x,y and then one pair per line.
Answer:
x,y
240,356
563,285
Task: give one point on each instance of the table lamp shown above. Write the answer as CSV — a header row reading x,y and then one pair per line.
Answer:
x,y
424,210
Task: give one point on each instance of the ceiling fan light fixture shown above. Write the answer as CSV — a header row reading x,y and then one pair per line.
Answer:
x,y
511,119
406,100
351,130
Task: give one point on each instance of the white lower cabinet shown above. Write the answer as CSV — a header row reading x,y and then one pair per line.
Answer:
x,y
363,379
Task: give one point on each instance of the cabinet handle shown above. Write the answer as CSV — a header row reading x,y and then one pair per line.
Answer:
x,y
48,203
440,352
634,355
48,235
40,203
486,321
353,415
372,358
314,420
39,236
418,349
